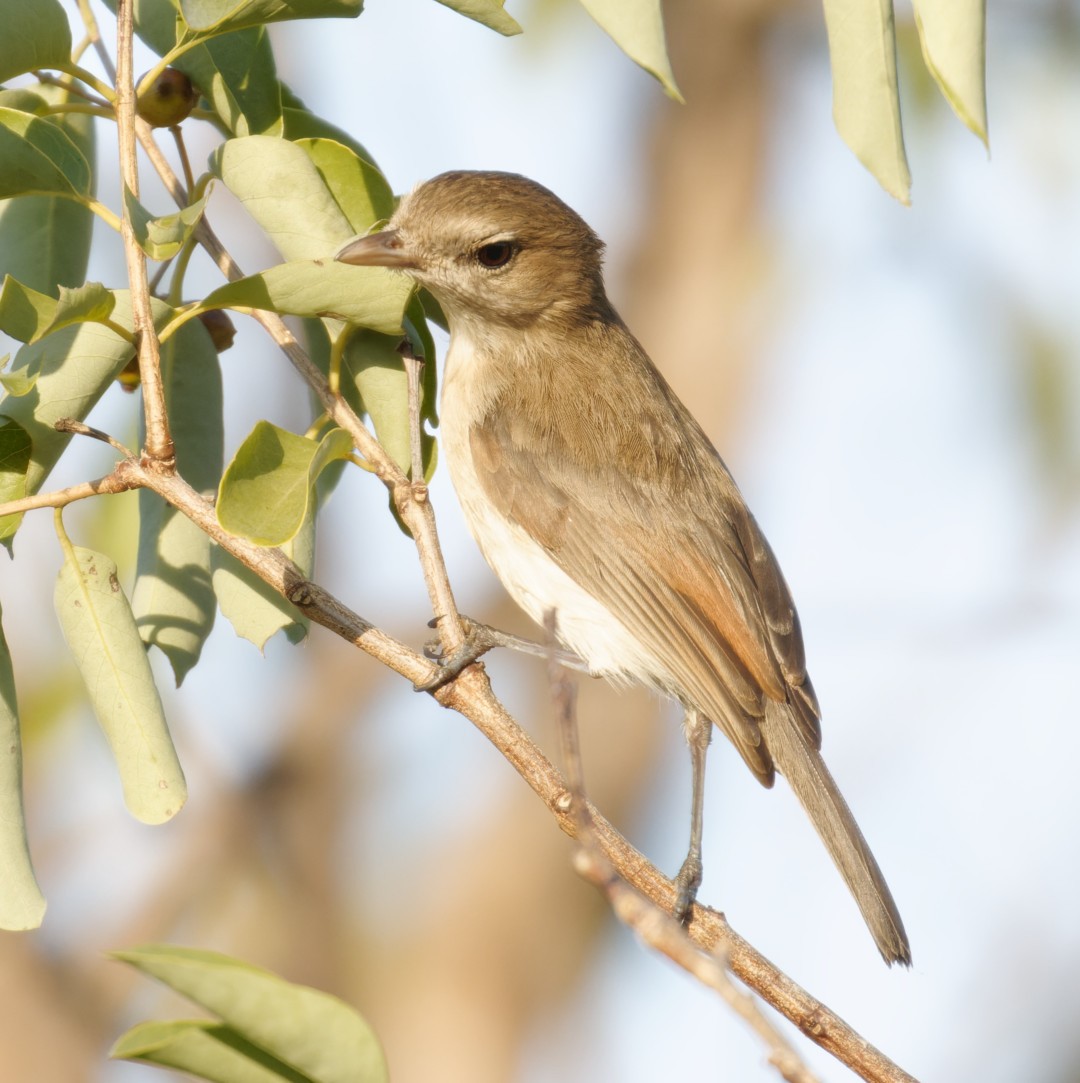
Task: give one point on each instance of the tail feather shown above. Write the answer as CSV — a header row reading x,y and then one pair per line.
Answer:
x,y
803,767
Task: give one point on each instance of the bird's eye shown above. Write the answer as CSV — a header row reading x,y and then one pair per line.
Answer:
x,y
497,254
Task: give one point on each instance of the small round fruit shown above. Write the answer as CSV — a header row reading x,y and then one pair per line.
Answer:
x,y
167,100
221,328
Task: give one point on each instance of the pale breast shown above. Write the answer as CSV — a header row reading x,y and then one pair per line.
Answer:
x,y
530,575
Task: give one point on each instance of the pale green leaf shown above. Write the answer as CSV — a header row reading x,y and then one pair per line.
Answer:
x,y
15,449
23,311
318,1035
206,1050
16,384
22,905
173,600
254,609
268,490
39,158
279,186
158,23
371,362
866,103
222,16
488,12
237,75
45,240
100,631
36,35
369,296
29,316
637,27
359,189
953,38
161,238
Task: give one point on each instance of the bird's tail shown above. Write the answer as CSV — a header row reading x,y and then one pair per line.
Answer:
x,y
801,764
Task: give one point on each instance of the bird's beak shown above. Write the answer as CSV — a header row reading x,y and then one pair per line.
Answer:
x,y
383,249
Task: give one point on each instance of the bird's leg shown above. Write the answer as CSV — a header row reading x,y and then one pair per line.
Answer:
x,y
479,639
698,731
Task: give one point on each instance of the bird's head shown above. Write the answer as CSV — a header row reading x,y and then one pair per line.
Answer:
x,y
495,248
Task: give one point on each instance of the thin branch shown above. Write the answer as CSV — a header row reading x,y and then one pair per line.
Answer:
x,y
159,444
72,87
414,367
80,428
185,161
659,930
94,33
60,498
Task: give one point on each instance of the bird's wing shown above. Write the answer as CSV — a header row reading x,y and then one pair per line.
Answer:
x,y
681,564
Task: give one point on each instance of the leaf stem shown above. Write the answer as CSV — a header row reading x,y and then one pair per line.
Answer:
x,y
72,87
106,214
105,111
77,71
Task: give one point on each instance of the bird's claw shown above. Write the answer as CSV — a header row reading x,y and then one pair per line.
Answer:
x,y
686,887
479,639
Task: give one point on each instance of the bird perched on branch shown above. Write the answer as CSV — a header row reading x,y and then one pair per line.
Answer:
x,y
594,493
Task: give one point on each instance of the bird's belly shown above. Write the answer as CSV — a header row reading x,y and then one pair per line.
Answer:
x,y
539,585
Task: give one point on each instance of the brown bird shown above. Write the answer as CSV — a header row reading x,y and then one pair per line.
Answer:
x,y
593,492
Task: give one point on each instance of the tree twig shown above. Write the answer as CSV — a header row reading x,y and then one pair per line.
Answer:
x,y
60,498
159,444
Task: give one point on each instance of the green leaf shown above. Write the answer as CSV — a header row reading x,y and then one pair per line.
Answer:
x,y
237,75
359,189
953,39
89,303
36,35
158,23
22,905
100,631
488,12
18,383
23,311
221,16
319,1036
866,102
371,362
45,240
23,99
39,158
210,1051
268,490
637,27
254,609
173,600
15,448
370,296
161,238
280,188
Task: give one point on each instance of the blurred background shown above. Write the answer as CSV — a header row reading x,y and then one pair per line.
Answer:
x,y
897,392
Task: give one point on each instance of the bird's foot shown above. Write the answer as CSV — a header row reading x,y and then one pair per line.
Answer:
x,y
686,886
479,639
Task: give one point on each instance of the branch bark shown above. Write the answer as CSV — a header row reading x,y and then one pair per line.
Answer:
x,y
159,444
